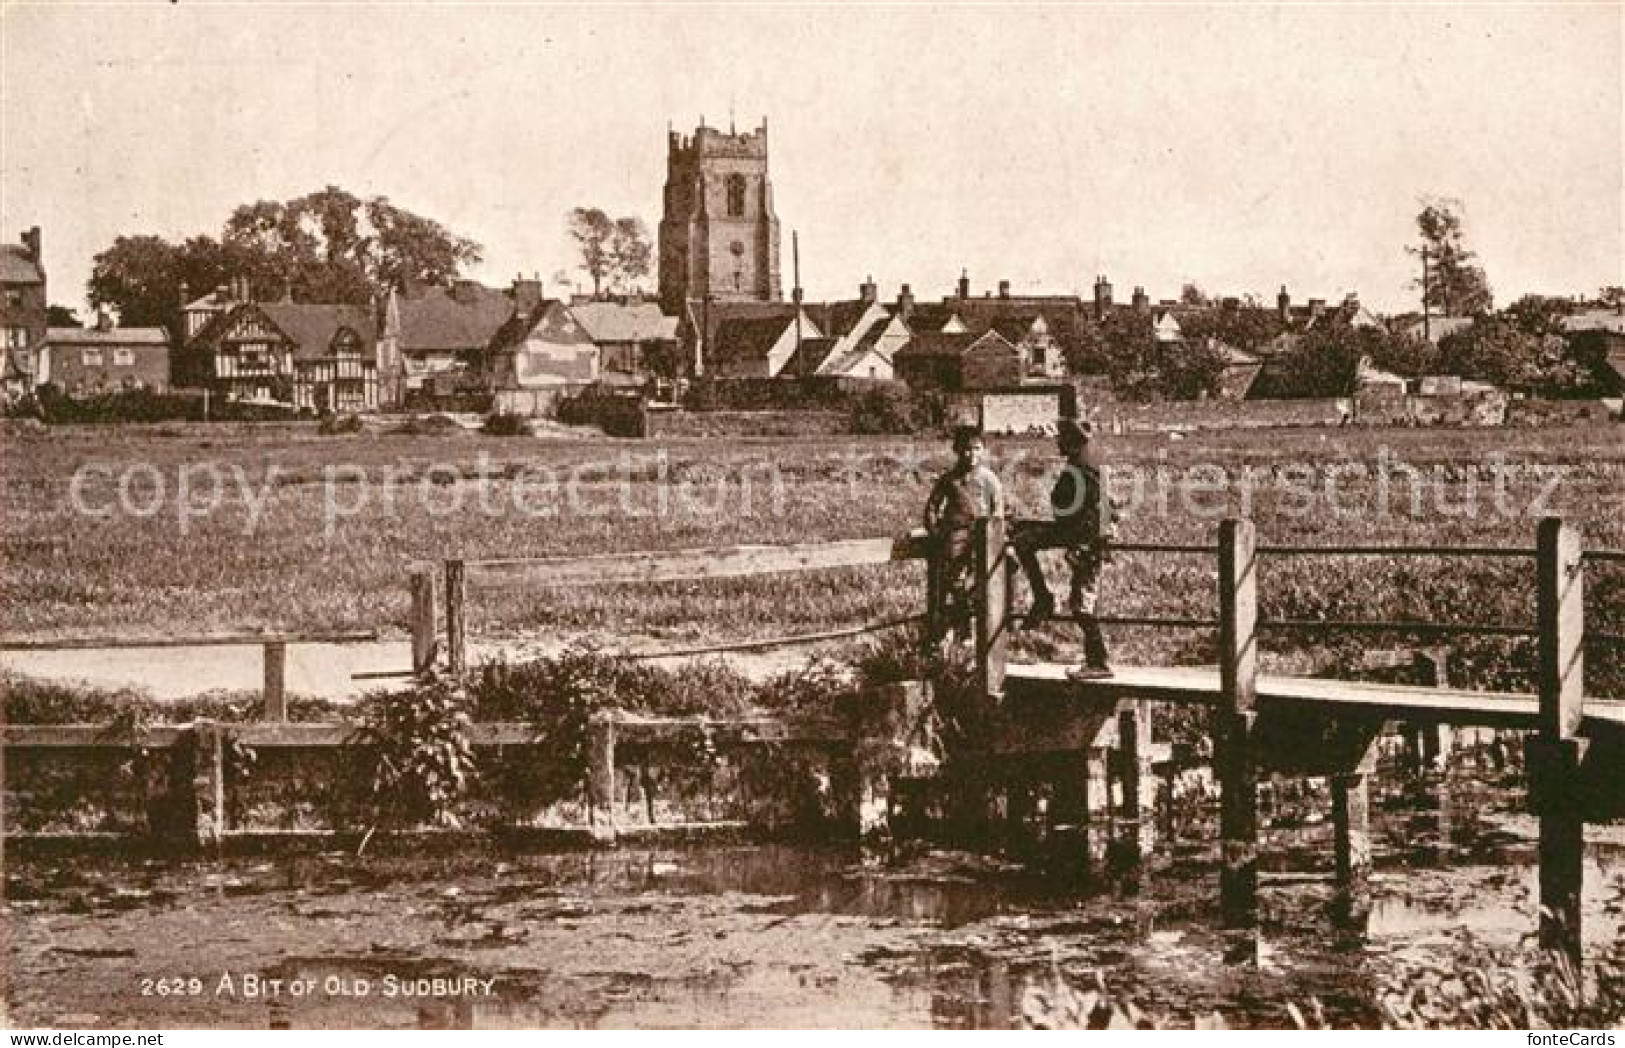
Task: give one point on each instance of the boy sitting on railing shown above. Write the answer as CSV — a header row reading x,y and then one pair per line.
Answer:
x,y
1083,523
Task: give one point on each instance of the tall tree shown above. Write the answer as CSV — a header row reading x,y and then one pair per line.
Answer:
x,y
1454,285
615,252
332,246
142,276
631,251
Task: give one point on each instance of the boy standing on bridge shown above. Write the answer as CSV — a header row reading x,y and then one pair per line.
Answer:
x,y
1082,526
969,491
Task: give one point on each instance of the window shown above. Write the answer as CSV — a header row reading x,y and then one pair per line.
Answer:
x,y
16,338
736,195
124,356
14,298
90,358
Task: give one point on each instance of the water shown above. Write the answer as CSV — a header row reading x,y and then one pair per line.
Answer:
x,y
752,935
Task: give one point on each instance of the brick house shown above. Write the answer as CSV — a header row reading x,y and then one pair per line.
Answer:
x,y
81,361
23,314
541,354
959,363
429,331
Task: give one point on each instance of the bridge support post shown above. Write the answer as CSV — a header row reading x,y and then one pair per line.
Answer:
x,y
1134,827
1556,752
274,696
1234,761
1351,823
601,777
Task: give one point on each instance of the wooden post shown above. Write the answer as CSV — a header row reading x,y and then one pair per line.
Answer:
x,y
1233,723
1351,823
276,671
206,804
1555,753
1134,826
992,608
456,618
423,631
601,777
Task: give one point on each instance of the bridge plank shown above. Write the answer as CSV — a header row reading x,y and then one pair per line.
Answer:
x,y
1366,699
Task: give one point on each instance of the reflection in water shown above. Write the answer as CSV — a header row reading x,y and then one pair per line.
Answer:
x,y
765,936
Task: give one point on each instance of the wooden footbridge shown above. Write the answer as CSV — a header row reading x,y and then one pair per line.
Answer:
x,y
1259,724
1033,722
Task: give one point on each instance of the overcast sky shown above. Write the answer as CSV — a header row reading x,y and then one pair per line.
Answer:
x,y
1235,147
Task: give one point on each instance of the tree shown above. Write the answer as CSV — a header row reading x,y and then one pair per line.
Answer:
x,y
1493,349
1454,285
615,252
1245,327
1121,346
60,316
1190,368
1192,295
332,246
630,251
328,246
1611,297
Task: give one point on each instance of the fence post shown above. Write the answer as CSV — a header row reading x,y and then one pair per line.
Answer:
x,y
195,816
423,631
601,777
1555,752
456,617
992,610
1233,724
275,706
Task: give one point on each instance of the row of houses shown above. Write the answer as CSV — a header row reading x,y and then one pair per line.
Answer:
x,y
522,350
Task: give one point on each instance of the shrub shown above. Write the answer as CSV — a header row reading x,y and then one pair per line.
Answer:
x,y
422,759
340,425
506,424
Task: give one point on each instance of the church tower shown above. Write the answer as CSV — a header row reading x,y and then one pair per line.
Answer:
x,y
718,235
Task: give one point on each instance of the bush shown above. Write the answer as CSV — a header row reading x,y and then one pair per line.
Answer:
x,y
422,756
340,425
888,408
506,424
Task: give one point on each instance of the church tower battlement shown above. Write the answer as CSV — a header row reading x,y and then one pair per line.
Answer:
x,y
718,233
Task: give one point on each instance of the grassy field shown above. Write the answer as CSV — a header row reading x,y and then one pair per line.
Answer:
x,y
291,530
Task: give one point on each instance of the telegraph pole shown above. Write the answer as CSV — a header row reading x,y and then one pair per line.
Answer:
x,y
1427,327
795,295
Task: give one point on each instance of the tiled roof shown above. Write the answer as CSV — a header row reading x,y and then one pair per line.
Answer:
x,y
72,336
747,338
837,319
1016,327
927,317
312,326
614,322
18,267
438,319
937,344
809,357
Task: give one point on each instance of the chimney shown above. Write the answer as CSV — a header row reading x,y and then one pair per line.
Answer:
x,y
964,283
1004,289
462,291
185,294
31,243
866,292
1283,305
905,302
104,319
527,295
1141,300
1230,304
1317,308
1103,297
222,293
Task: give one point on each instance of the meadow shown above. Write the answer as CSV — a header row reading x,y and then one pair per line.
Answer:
x,y
281,528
